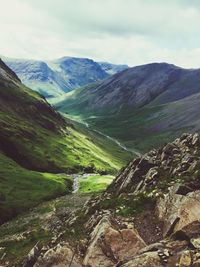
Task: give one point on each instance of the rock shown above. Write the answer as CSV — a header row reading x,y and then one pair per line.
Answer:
x,y
185,259
149,259
32,256
109,244
152,174
195,139
168,149
58,256
177,211
195,242
196,263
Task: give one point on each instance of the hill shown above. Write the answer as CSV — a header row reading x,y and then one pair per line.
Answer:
x,y
141,107
37,144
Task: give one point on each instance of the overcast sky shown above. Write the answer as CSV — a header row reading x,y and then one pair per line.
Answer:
x,y
120,31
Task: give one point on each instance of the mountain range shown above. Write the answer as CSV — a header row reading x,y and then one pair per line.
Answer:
x,y
142,107
55,77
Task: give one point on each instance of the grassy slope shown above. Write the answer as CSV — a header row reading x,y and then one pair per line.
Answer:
x,y
117,155
141,129
36,140
44,142
95,183
21,188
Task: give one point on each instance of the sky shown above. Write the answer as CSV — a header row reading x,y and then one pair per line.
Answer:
x,y
132,32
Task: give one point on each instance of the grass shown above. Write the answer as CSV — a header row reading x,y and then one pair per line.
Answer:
x,y
18,236
138,129
21,189
94,183
128,205
38,138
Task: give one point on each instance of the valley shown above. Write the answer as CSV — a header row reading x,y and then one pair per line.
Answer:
x,y
141,107
37,143
102,175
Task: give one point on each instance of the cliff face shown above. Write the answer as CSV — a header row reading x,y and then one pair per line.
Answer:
x,y
159,169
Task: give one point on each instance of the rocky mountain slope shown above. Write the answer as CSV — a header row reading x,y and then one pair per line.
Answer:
x,y
54,78
138,86
142,107
36,144
149,216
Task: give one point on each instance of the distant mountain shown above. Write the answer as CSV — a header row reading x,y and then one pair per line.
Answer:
x,y
54,78
142,106
112,68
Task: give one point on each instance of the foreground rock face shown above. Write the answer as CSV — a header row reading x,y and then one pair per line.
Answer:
x,y
177,211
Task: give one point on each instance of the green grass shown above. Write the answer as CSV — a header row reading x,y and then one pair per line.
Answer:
x,y
21,189
127,205
139,129
38,138
94,183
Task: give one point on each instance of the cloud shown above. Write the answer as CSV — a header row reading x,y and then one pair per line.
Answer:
x,y
120,31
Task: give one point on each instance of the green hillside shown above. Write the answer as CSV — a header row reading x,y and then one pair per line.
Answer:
x,y
37,143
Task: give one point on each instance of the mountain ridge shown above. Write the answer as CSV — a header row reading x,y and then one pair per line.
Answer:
x,y
141,106
55,77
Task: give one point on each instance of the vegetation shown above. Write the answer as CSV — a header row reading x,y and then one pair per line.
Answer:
x,y
94,183
128,205
21,189
137,129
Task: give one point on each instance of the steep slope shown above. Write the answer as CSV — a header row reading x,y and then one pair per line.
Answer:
x,y
37,137
78,71
38,76
36,141
54,78
142,107
137,87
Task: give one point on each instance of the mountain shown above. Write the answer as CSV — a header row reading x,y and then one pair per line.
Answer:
x,y
141,107
112,69
37,144
54,78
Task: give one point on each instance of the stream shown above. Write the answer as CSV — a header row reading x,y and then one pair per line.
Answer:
x,y
76,178
133,151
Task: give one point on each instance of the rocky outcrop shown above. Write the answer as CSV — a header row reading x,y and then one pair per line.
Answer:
x,y
111,243
156,171
177,211
58,256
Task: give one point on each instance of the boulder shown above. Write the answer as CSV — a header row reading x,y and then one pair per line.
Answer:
x,y
176,211
58,256
149,259
109,244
